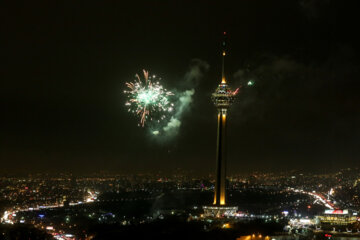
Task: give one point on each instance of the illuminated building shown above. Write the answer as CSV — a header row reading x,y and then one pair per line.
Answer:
x,y
223,97
337,217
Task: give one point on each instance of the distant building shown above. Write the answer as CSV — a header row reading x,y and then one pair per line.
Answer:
x,y
337,217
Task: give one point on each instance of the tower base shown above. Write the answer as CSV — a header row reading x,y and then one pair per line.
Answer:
x,y
219,211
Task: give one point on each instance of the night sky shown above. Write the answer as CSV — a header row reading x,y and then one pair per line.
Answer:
x,y
64,68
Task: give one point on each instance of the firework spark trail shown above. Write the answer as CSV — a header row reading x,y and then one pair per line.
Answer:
x,y
148,99
236,91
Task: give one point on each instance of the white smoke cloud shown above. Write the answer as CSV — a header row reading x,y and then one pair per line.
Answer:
x,y
185,100
197,69
172,125
192,78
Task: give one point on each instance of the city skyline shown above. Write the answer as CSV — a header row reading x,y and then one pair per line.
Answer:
x,y
203,119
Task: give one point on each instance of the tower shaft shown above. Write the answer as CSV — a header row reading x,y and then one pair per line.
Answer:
x,y
220,181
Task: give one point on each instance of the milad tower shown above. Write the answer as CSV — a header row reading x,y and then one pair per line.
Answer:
x,y
223,97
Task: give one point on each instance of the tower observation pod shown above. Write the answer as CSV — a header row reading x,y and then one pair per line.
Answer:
x,y
223,97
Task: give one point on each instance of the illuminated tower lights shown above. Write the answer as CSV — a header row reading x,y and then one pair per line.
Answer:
x,y
223,97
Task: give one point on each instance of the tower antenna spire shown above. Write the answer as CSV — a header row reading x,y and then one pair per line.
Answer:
x,y
223,80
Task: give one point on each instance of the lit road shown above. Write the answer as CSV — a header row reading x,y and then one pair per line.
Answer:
x,y
317,196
